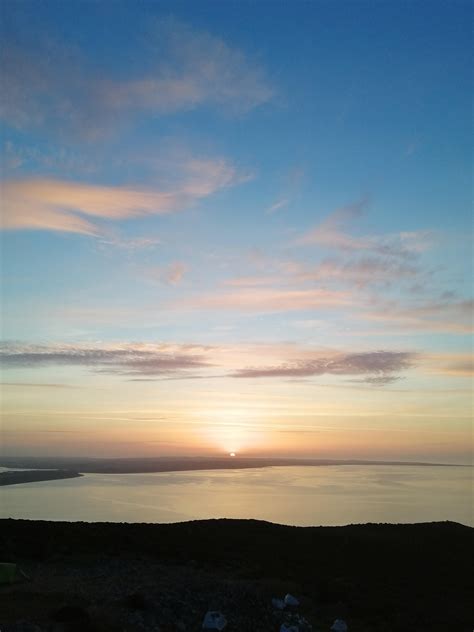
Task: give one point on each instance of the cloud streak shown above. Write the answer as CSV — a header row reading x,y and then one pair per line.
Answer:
x,y
455,364
454,317
199,69
122,360
332,233
142,359
55,88
379,364
60,205
149,361
267,300
361,272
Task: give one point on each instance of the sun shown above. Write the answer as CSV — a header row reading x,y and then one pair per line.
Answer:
x,y
231,453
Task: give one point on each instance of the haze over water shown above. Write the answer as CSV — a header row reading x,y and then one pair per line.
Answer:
x,y
327,495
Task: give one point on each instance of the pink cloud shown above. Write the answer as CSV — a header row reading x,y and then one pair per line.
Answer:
x,y
67,206
454,317
364,271
252,281
361,272
332,233
60,205
266,300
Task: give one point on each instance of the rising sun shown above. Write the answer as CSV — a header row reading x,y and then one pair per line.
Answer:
x,y
231,453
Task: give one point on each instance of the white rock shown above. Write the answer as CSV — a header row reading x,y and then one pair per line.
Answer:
x,y
214,620
291,601
339,625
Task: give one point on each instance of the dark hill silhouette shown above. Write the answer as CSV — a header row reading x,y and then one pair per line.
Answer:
x,y
376,576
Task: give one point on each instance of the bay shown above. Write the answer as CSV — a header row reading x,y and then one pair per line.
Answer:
x,y
304,496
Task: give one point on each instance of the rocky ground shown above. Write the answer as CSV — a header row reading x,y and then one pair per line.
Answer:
x,y
164,578
137,594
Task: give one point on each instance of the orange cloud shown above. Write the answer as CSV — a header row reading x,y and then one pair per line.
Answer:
x,y
61,205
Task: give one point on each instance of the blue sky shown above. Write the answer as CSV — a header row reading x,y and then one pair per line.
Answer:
x,y
198,192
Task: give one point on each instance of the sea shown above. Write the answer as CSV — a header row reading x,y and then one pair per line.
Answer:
x,y
291,495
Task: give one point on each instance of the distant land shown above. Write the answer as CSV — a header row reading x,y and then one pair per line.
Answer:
x,y
34,476
175,464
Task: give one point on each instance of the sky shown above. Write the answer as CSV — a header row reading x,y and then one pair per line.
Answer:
x,y
237,227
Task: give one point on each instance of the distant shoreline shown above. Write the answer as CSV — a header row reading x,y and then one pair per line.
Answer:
x,y
48,468
34,476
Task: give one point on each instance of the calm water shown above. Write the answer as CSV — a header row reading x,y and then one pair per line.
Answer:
x,y
332,495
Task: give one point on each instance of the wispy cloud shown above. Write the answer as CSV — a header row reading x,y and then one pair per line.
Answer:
x,y
267,300
357,272
378,364
145,361
451,364
430,316
130,243
291,182
35,385
192,68
60,205
335,222
128,359
149,361
279,204
361,271
53,157
56,88
332,233
202,177
379,380
252,281
171,274
67,206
